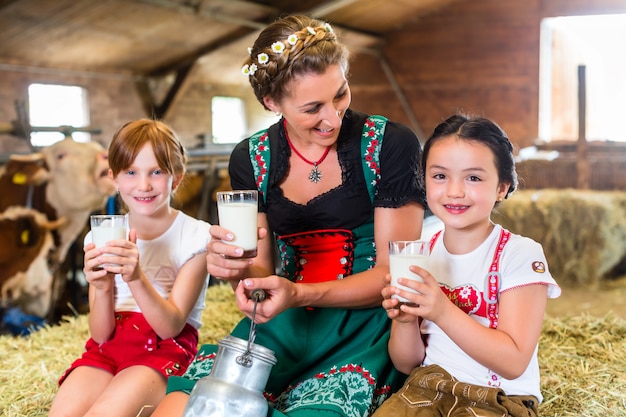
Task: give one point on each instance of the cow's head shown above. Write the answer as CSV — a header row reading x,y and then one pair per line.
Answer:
x,y
78,176
25,244
79,184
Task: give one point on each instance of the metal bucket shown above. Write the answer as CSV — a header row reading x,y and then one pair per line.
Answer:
x,y
236,382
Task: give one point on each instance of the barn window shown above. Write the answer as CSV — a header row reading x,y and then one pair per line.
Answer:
x,y
595,44
53,106
228,119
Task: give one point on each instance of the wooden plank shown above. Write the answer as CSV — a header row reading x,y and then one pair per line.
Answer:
x,y
582,158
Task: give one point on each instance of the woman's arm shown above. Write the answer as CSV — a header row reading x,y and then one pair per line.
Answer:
x,y
362,290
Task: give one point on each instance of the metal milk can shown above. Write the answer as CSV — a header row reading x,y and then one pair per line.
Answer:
x,y
236,382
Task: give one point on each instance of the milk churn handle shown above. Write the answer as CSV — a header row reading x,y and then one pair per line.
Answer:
x,y
258,295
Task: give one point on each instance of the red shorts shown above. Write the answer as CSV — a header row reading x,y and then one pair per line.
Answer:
x,y
134,342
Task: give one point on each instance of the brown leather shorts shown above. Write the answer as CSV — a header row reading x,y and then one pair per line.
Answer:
x,y
431,391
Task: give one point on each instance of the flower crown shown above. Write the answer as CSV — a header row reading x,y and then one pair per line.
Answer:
x,y
279,47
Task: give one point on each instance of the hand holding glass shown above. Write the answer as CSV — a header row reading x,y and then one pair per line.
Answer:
x,y
106,227
237,212
402,254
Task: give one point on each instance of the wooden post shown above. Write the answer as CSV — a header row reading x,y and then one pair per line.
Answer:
x,y
582,157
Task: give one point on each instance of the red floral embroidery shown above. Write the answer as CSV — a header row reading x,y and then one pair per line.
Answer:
x,y
260,168
201,358
372,148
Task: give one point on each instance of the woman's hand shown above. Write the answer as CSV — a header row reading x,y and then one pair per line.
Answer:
x,y
279,296
223,260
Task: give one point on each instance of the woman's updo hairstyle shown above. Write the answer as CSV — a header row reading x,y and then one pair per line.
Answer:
x,y
289,47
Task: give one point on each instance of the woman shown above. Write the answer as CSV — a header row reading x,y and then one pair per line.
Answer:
x,y
336,186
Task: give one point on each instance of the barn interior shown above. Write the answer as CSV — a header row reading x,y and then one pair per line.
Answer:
x,y
558,96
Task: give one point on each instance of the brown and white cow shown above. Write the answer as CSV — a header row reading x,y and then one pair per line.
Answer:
x,y
65,181
26,242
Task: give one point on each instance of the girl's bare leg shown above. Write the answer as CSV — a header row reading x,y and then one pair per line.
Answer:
x,y
79,391
173,405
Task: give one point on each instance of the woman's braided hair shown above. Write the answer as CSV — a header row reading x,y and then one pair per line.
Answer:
x,y
305,45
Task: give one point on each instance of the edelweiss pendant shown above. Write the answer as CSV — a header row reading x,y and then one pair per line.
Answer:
x,y
315,175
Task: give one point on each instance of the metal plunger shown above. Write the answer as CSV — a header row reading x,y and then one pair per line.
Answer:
x,y
257,295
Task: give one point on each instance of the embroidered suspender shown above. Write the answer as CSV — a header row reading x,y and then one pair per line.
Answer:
x,y
371,143
493,279
260,158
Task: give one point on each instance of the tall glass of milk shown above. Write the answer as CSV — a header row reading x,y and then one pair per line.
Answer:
x,y
237,211
106,227
402,254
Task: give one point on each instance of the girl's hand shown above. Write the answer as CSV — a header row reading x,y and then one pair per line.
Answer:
x,y
123,257
392,305
431,303
95,275
279,292
223,260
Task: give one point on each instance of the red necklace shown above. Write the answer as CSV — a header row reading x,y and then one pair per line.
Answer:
x,y
315,175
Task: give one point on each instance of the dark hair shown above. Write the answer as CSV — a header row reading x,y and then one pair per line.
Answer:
x,y
483,130
131,138
308,46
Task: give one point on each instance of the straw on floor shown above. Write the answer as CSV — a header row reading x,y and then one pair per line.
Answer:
x,y
582,359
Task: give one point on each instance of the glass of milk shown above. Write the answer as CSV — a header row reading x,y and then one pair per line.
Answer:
x,y
237,211
402,254
106,227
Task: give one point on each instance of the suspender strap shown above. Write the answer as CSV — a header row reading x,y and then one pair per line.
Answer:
x,y
434,239
260,158
371,143
493,279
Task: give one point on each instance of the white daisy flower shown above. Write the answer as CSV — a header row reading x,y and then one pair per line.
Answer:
x,y
263,58
278,47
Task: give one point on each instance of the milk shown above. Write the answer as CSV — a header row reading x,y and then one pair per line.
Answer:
x,y
100,235
403,254
105,228
241,220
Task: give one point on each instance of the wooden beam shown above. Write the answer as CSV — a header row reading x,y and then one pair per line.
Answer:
x,y
246,27
582,155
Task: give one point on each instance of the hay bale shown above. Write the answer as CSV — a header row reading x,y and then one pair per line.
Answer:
x,y
30,367
582,360
583,233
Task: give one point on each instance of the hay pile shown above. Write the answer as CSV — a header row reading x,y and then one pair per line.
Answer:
x,y
583,233
583,366
583,360
31,366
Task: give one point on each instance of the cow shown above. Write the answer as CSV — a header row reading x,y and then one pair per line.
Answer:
x,y
66,182
26,242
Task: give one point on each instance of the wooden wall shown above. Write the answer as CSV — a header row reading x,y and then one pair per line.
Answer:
x,y
478,56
